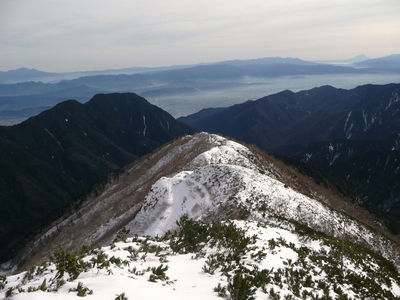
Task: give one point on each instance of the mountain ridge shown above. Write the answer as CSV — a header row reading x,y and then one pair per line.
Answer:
x,y
217,219
310,123
388,62
51,159
26,74
212,178
169,87
29,74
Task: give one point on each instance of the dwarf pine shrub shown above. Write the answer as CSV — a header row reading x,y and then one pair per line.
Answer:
x,y
121,297
159,273
81,290
122,235
241,287
67,263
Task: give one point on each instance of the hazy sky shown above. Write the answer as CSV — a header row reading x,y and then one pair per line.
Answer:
x,y
77,35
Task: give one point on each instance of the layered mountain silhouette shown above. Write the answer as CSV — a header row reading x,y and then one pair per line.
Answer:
x,y
24,91
353,135
391,62
50,160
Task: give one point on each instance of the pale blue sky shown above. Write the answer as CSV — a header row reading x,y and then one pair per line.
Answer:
x,y
78,35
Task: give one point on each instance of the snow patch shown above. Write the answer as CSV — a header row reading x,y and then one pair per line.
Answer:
x,y
57,141
144,125
347,129
333,153
393,99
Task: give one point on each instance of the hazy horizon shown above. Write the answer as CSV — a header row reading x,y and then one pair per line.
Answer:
x,y
66,36
328,60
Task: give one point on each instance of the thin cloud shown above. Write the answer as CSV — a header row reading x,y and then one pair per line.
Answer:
x,y
81,34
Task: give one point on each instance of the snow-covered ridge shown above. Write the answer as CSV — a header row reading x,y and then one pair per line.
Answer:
x,y
224,178
210,179
206,177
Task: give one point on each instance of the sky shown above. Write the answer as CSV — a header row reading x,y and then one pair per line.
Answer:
x,y
82,35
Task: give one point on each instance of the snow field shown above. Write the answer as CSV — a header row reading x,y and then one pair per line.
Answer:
x,y
275,249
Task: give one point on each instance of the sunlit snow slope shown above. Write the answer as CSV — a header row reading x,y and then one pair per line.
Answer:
x,y
289,238
227,180
232,260
206,177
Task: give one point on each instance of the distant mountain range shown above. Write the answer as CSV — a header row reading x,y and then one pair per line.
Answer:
x,y
350,61
353,135
26,74
50,160
22,91
391,62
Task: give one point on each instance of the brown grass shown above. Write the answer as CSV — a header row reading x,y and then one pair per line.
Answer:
x,y
120,196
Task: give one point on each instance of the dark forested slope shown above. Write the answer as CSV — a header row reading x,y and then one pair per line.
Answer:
x,y
49,160
353,135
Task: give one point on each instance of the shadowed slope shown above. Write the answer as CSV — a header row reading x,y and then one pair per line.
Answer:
x,y
49,160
